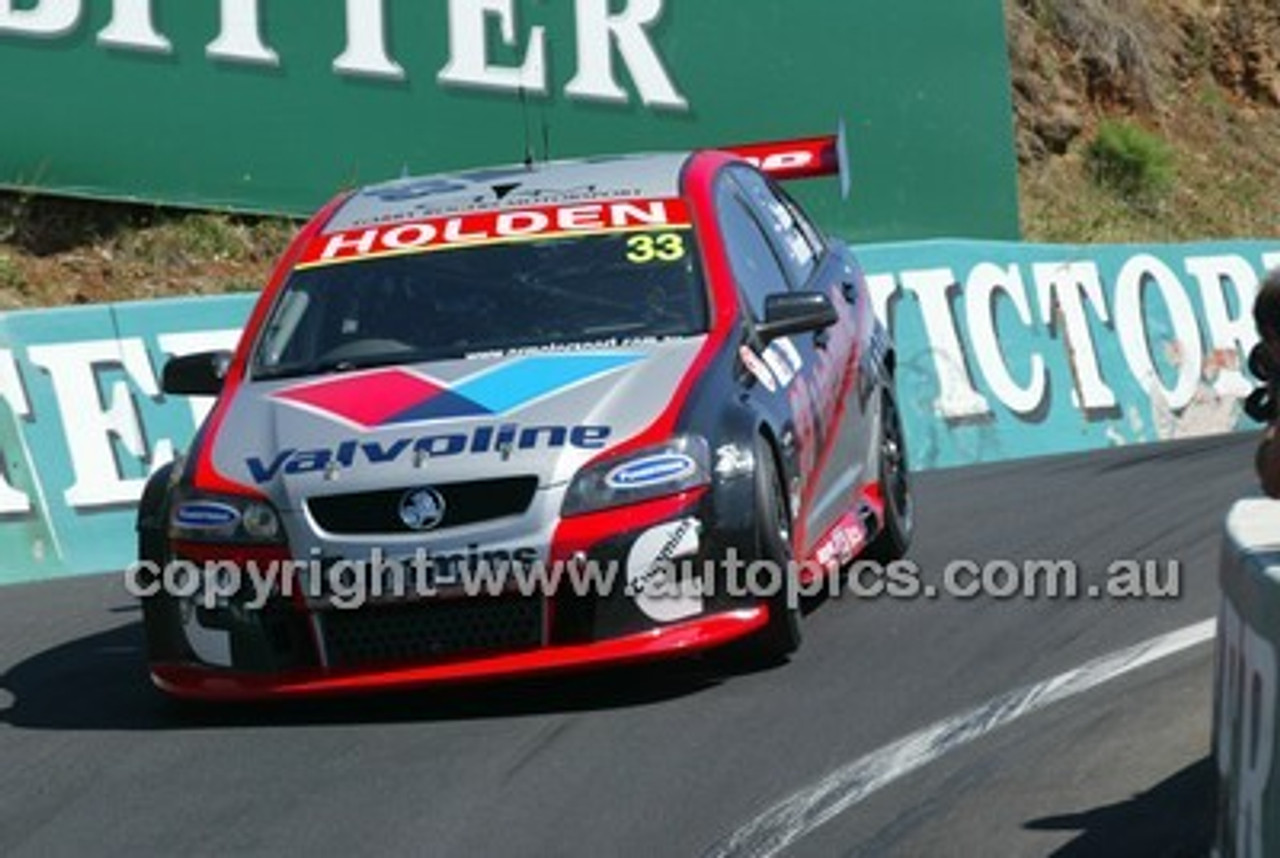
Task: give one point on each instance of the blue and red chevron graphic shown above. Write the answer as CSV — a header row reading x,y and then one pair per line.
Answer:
x,y
391,397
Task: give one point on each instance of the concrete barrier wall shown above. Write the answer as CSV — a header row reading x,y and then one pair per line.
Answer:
x,y
1245,726
82,423
1006,351
1016,350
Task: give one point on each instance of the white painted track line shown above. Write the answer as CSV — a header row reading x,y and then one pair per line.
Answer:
x,y
800,813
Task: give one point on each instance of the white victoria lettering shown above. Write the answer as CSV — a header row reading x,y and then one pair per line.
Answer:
x,y
1132,328
1061,289
957,400
986,282
883,289
1175,347
12,501
92,429
1231,334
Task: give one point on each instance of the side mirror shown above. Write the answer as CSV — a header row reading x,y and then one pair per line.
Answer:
x,y
196,375
796,313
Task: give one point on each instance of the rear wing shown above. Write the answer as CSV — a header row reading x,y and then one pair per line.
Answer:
x,y
804,158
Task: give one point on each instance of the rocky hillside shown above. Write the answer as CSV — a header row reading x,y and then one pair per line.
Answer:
x,y
1137,120
1147,119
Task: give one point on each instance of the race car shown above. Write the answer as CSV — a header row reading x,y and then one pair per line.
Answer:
x,y
462,396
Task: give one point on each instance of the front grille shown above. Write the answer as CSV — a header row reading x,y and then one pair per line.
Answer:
x,y
432,631
370,513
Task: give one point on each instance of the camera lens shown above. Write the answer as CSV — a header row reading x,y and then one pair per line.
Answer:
x,y
1261,406
1260,363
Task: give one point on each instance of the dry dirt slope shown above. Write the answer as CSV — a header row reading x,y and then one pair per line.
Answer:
x,y
1137,120
1147,119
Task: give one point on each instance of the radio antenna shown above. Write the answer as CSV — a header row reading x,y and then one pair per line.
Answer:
x,y
546,137
546,123
528,135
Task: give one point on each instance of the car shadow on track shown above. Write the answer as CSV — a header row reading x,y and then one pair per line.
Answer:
x,y
99,682
1173,819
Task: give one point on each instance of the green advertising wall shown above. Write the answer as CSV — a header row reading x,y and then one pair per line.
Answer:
x,y
272,106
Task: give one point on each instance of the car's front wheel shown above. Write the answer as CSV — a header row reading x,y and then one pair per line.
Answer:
x,y
781,636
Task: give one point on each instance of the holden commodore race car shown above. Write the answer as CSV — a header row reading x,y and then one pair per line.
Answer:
x,y
649,365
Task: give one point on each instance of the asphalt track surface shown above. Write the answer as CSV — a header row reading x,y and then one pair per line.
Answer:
x,y
674,759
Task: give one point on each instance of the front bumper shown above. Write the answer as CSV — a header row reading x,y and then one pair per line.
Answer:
x,y
197,682
291,648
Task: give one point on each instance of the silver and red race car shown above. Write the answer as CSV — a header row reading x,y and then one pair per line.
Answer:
x,y
520,420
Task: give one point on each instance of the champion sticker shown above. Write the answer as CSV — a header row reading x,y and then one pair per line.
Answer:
x,y
651,573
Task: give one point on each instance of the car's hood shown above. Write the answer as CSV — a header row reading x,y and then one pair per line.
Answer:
x,y
542,415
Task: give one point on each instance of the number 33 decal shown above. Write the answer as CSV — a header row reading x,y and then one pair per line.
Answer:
x,y
667,247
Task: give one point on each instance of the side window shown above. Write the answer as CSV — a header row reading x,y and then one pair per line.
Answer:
x,y
792,236
755,266
811,232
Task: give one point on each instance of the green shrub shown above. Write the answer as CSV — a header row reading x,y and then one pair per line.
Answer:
x,y
1131,161
10,274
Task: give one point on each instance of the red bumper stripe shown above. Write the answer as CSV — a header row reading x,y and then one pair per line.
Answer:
x,y
198,683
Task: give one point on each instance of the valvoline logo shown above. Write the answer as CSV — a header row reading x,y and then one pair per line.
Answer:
x,y
393,397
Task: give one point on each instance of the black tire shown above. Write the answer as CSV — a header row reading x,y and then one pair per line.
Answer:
x,y
894,538
152,513
781,636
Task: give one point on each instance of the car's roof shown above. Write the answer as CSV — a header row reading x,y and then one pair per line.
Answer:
x,y
629,177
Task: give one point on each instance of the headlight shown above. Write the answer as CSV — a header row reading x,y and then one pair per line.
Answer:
x,y
681,464
224,518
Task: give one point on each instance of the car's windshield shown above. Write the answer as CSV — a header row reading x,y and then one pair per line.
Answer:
x,y
495,298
